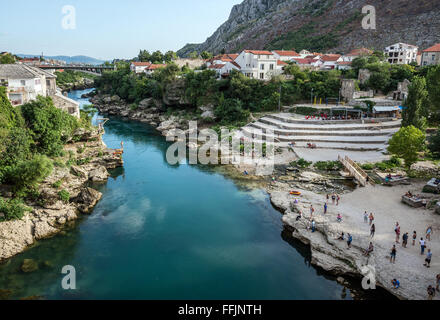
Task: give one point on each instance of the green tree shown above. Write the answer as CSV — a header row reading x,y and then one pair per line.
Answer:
x,y
406,144
414,113
144,56
433,86
7,59
157,57
206,55
231,111
170,56
194,55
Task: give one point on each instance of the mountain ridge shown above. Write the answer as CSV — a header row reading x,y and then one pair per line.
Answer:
x,y
322,25
68,59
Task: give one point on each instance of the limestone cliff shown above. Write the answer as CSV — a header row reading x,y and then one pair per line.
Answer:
x,y
323,25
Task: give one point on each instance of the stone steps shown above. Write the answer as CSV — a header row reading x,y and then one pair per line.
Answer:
x,y
247,132
312,132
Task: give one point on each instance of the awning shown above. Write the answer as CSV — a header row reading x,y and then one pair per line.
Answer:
x,y
378,109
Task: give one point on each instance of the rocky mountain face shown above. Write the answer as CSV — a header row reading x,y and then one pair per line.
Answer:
x,y
323,25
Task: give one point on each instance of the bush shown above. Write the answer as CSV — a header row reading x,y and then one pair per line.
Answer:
x,y
301,163
328,165
64,196
57,184
12,209
231,111
27,174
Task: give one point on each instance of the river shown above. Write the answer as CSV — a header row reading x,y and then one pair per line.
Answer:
x,y
171,232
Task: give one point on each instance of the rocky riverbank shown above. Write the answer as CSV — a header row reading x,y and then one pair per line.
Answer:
x,y
82,84
86,161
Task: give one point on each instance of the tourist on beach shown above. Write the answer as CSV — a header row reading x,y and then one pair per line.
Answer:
x,y
414,238
325,208
393,254
372,230
313,225
333,198
395,283
405,239
339,218
397,231
371,218
299,216
431,292
349,241
312,210
337,200
365,217
328,197
369,250
422,246
341,237
428,259
428,233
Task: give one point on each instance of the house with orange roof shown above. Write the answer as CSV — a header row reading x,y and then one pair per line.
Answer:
x,y
258,64
224,69
329,61
357,53
431,55
139,67
285,55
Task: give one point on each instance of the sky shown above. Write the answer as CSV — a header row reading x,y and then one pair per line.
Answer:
x,y
107,29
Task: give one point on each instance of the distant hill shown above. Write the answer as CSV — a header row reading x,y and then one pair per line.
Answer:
x,y
67,59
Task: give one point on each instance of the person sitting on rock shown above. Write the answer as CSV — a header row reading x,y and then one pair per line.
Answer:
x,y
369,250
341,237
339,218
395,283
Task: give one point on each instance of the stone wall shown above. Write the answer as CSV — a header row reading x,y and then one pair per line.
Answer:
x,y
190,63
66,104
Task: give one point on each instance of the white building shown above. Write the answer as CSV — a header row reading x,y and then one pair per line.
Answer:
x,y
285,55
25,83
330,61
431,55
258,64
139,67
401,53
224,69
356,53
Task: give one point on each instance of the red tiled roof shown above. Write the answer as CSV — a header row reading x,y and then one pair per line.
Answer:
x,y
216,66
346,63
281,63
259,52
236,64
304,61
330,57
156,66
283,53
359,52
435,48
142,64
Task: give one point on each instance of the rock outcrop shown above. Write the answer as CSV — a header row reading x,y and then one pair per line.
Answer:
x,y
49,215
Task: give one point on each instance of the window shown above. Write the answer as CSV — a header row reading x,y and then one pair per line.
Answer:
x,y
433,57
261,76
271,67
262,67
37,82
23,82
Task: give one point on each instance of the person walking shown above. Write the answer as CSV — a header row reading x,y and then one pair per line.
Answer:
x,y
393,254
328,197
333,198
437,278
337,199
349,241
431,292
372,230
405,239
325,208
428,259
422,246
428,233
414,237
397,231
312,210
365,217
313,226
371,217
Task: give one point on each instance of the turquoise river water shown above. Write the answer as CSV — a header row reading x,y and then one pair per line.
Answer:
x,y
171,232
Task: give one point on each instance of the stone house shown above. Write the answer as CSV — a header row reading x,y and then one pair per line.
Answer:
x,y
431,55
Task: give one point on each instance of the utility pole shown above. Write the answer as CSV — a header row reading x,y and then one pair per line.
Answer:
x,y
311,97
279,99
